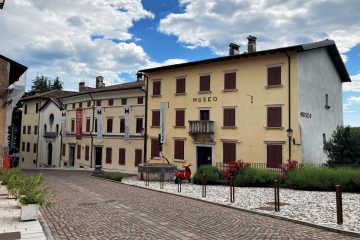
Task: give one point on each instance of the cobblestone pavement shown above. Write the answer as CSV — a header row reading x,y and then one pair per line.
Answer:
x,y
90,208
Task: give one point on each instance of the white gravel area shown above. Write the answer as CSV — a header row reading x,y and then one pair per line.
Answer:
x,y
309,206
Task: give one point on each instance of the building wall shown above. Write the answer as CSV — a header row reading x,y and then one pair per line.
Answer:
x,y
317,77
114,140
250,133
4,84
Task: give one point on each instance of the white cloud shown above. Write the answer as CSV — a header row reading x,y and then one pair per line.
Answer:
x,y
354,86
276,23
54,38
351,101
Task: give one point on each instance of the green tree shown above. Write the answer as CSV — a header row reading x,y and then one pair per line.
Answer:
x,y
344,146
56,84
44,84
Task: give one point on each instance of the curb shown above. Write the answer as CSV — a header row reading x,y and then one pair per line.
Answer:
x,y
330,229
45,227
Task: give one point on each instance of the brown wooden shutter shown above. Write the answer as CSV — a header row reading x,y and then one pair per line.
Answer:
x,y
230,81
108,155
140,100
274,76
155,118
110,102
123,101
156,88
87,150
229,117
35,129
204,83
122,125
274,116
78,152
121,156
139,125
179,149
274,156
154,148
23,146
72,125
138,156
229,152
180,85
34,148
109,125
180,118
98,103
88,125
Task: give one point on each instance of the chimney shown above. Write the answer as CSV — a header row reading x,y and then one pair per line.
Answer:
x,y
233,49
251,44
99,82
81,86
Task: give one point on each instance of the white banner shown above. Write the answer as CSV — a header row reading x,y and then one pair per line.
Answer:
x,y
163,106
127,123
63,124
99,124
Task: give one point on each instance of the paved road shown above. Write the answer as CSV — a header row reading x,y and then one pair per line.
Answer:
x,y
89,208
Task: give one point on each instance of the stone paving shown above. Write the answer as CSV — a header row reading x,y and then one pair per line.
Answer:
x,y
10,221
90,208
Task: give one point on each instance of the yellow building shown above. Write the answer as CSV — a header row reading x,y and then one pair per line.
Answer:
x,y
259,107
104,126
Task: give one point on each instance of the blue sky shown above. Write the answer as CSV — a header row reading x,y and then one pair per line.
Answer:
x,y
79,40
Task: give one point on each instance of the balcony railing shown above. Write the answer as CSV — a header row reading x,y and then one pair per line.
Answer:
x,y
201,127
50,134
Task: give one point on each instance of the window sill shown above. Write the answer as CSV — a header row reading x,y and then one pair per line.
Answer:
x,y
179,126
229,127
155,158
180,94
230,90
156,96
274,128
274,86
179,160
155,126
204,92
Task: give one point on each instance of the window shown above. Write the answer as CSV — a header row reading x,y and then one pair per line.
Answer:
x,y
98,103
123,101
156,88
88,125
66,106
204,83
138,156
25,110
230,81
72,125
37,107
57,129
179,149
80,104
109,125
78,151
180,85
229,117
23,146
274,76
121,156
35,129
155,148
204,115
229,152
87,150
95,123
155,118
88,103
63,149
24,130
122,125
108,155
111,102
29,130
139,125
73,106
274,155
180,118
28,147
45,128
140,100
274,116
34,148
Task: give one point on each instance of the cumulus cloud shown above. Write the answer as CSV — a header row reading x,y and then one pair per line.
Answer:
x,y
354,86
276,23
351,101
56,38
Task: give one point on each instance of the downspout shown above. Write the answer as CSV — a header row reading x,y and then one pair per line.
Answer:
x,y
289,102
146,119
38,137
92,130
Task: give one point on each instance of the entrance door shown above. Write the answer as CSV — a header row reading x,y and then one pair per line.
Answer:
x,y
50,148
98,156
72,156
204,156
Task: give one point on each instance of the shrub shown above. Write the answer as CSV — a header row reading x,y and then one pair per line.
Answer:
x,y
34,190
212,174
116,176
251,177
14,182
5,177
234,168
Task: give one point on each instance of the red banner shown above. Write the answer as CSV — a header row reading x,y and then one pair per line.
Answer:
x,y
78,123
6,162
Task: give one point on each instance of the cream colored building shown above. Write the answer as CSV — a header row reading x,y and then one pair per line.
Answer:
x,y
116,148
259,106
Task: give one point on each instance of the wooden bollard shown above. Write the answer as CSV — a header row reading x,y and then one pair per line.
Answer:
x,y
203,189
339,208
277,196
162,180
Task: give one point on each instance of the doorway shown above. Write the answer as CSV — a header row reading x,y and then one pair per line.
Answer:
x,y
98,156
49,158
72,156
204,114
204,156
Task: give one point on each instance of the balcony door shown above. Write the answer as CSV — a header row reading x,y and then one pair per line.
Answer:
x,y
204,156
204,114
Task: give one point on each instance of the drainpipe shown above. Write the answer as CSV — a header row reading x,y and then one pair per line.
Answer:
x,y
289,130
92,130
142,74
38,137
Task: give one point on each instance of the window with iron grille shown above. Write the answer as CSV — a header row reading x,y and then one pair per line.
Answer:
x,y
180,85
108,155
229,152
274,76
179,149
229,117
230,81
156,88
155,118
274,116
204,83
122,156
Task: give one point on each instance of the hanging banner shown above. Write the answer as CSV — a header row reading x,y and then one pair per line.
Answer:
x,y
99,124
163,106
78,123
127,123
63,124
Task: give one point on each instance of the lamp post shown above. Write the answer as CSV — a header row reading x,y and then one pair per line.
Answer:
x,y
2,2
289,133
141,76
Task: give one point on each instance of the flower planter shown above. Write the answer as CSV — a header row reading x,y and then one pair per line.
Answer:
x,y
29,212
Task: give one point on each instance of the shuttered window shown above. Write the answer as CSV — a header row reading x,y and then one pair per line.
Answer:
x,y
72,125
156,88
37,107
274,156
121,156
229,117
80,104
230,81
24,130
122,125
155,118
140,100
139,125
63,150
35,129
78,152
28,147
179,149
34,148
274,116
88,125
29,130
154,148
25,111
73,105
95,123
229,152
123,101
180,85
87,150
138,156
23,146
98,103
88,103
274,76
204,83
180,118
109,125
108,155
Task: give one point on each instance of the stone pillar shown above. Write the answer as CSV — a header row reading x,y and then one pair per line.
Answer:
x,y
4,84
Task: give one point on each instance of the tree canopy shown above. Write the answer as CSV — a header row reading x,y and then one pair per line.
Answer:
x,y
44,84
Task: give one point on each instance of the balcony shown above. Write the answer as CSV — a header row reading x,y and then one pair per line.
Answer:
x,y
201,127
50,135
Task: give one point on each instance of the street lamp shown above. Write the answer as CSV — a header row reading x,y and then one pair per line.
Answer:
x,y
2,2
289,133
